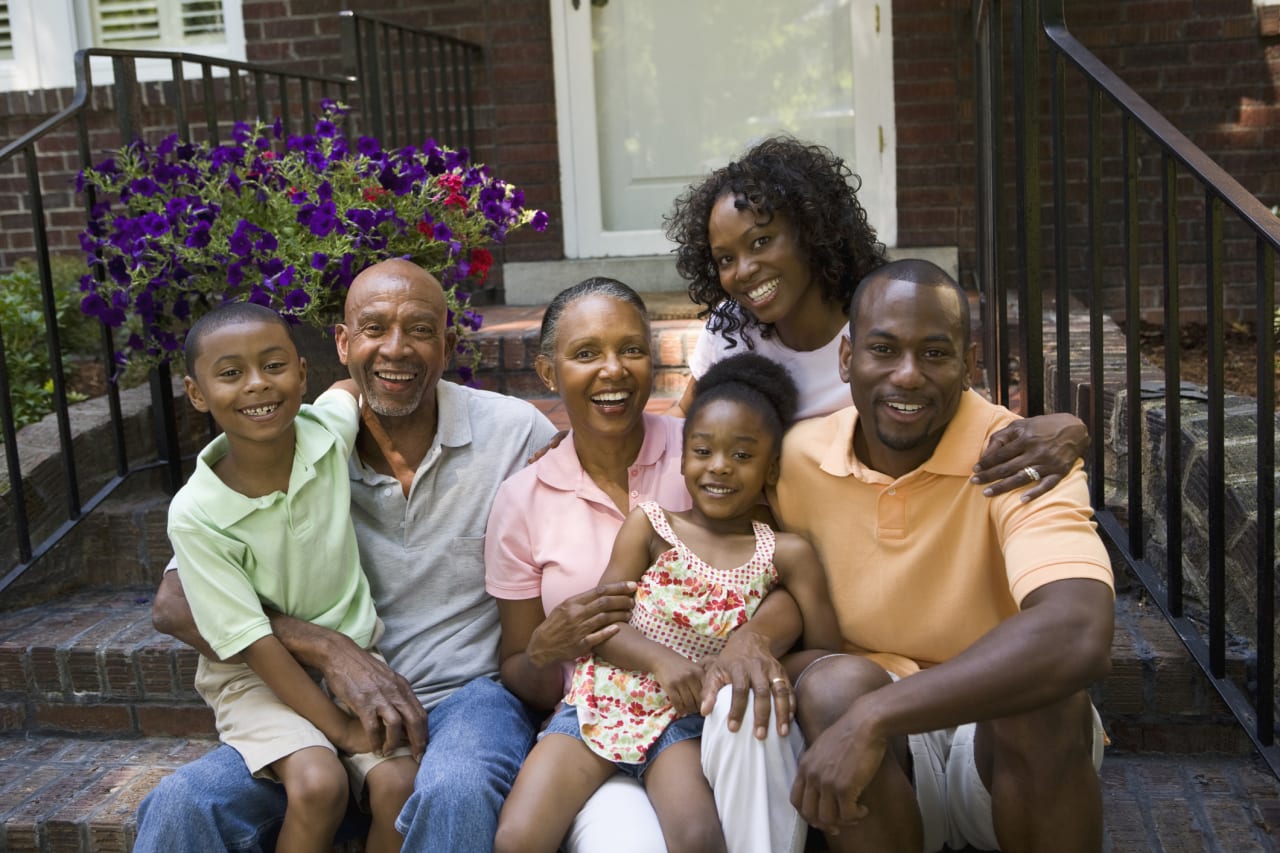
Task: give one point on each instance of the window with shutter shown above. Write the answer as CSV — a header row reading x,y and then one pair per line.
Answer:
x,y
39,38
156,23
6,32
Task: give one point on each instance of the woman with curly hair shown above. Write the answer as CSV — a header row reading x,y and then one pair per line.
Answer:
x,y
772,246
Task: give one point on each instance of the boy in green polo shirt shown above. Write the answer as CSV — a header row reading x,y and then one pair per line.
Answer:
x,y
265,521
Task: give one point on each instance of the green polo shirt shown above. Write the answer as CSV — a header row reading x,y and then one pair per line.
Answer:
x,y
293,551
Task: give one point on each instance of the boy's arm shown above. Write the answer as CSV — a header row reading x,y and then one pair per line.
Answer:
x,y
348,385
277,667
801,574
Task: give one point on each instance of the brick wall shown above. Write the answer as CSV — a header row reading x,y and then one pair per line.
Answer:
x,y
515,93
1212,67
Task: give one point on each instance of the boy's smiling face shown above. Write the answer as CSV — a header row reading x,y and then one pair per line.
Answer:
x,y
249,377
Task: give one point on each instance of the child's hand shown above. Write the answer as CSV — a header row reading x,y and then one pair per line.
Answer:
x,y
352,739
681,679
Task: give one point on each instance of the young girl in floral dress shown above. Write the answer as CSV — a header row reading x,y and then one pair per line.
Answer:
x,y
633,705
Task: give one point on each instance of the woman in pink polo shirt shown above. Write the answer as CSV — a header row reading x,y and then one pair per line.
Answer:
x,y
552,529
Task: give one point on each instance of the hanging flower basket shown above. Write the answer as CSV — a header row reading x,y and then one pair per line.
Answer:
x,y
285,221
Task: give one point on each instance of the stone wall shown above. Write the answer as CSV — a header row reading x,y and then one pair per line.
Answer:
x,y
1239,504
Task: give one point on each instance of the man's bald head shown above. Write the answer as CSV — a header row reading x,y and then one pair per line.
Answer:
x,y
396,339
396,273
915,271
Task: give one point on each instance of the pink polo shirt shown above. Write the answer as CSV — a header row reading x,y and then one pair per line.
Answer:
x,y
551,528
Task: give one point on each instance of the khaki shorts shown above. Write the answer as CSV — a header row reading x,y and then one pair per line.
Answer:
x,y
955,807
254,722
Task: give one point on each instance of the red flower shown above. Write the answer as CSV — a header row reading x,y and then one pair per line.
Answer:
x,y
426,228
372,194
453,183
481,262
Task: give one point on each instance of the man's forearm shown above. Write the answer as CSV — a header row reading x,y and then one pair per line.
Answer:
x,y
1030,660
312,645
170,614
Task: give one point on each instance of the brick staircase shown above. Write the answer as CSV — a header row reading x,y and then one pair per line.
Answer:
x,y
95,707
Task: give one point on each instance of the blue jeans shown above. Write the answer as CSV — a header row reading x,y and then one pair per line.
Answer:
x,y
479,736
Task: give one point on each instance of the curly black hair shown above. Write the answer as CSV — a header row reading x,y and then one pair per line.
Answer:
x,y
813,189
754,380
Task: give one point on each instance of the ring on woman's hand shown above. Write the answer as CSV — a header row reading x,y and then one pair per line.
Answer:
x,y
1032,474
778,680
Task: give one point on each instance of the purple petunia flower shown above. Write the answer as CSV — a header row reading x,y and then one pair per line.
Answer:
x,y
539,222
144,187
241,240
297,299
155,224
198,237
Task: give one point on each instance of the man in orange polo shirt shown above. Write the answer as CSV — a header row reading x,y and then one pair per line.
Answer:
x,y
956,713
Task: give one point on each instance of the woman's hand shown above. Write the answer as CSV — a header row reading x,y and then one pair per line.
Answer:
x,y
1047,445
681,680
579,624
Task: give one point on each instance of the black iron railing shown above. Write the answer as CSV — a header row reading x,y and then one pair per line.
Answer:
x,y
392,104
413,83
1069,264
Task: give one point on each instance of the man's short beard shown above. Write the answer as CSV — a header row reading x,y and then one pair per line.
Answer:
x,y
380,407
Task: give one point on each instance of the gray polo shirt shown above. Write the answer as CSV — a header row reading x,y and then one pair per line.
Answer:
x,y
424,555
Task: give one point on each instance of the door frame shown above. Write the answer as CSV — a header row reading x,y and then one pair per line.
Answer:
x,y
576,126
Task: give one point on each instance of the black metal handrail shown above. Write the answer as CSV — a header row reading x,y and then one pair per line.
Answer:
x,y
415,83
1222,197
202,106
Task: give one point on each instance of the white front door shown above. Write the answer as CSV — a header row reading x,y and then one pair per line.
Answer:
x,y
653,94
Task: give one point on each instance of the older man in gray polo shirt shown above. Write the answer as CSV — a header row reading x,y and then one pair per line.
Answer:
x,y
429,458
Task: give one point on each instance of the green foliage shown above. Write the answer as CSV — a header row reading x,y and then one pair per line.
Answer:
x,y
25,345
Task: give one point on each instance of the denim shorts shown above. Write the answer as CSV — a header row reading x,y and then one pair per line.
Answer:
x,y
565,722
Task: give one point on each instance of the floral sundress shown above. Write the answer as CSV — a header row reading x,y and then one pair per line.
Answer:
x,y
687,606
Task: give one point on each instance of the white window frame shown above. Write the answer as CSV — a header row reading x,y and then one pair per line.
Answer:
x,y
47,33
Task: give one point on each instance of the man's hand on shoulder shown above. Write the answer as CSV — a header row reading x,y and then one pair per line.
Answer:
x,y
1036,452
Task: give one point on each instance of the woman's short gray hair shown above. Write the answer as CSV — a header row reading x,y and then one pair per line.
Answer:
x,y
594,286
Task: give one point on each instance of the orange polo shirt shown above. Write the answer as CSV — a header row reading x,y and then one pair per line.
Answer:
x,y
922,566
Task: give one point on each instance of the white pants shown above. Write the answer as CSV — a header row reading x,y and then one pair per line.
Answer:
x,y
752,784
